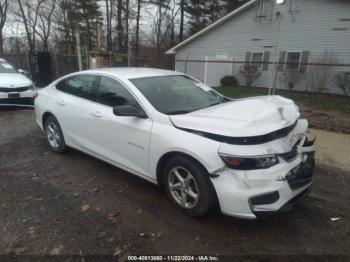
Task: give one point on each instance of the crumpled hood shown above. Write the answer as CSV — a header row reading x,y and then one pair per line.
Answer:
x,y
242,118
14,80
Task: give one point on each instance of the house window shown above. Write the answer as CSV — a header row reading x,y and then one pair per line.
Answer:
x,y
257,59
293,60
261,9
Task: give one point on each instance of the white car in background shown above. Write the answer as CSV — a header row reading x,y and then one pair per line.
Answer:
x,y
249,157
15,88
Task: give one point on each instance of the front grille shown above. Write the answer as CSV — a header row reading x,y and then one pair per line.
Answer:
x,y
302,174
14,89
290,156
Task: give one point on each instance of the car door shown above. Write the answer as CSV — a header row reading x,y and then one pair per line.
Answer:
x,y
75,105
124,140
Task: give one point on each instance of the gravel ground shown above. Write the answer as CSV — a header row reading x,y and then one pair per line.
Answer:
x,y
73,204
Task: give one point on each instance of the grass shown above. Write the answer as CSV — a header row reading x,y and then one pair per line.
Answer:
x,y
323,102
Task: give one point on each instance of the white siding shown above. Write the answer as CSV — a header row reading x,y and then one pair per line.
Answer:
x,y
312,29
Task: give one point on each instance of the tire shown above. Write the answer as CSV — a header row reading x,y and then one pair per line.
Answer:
x,y
54,135
198,183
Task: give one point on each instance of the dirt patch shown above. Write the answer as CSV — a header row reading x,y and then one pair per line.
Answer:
x,y
335,121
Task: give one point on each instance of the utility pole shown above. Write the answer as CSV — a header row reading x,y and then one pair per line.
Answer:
x,y
80,63
273,79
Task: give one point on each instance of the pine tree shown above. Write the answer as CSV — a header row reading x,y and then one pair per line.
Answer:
x,y
230,5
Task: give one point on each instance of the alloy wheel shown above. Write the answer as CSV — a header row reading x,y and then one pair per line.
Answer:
x,y
183,187
53,135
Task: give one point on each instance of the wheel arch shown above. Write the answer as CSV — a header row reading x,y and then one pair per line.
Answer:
x,y
165,157
45,116
161,164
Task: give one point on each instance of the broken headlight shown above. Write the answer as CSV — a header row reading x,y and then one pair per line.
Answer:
x,y
250,163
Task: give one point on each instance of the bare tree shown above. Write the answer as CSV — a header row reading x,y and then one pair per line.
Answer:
x,y
28,14
182,20
120,28
3,16
45,23
109,17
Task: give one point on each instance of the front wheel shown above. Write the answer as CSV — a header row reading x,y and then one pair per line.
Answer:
x,y
54,135
188,186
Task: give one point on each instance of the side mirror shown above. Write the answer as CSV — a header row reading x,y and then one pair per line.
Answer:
x,y
129,110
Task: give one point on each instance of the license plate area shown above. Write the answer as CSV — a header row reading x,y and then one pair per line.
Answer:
x,y
13,95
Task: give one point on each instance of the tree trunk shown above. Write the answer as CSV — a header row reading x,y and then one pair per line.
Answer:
x,y
120,26
108,28
182,17
137,29
126,38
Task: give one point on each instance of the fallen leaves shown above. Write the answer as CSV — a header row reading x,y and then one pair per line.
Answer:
x,y
111,216
84,207
16,249
118,251
56,251
94,190
31,232
35,176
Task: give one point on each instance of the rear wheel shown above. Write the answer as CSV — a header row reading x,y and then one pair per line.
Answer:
x,y
188,186
54,135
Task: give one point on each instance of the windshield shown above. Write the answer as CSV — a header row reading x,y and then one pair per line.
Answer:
x,y
7,68
177,94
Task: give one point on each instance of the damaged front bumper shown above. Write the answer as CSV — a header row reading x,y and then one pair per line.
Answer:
x,y
256,193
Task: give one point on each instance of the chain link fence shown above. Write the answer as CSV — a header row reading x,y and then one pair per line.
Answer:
x,y
300,70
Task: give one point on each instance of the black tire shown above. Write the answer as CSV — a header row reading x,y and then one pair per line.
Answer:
x,y
207,197
60,146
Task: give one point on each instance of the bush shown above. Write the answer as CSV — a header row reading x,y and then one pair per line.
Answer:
x,y
320,74
229,81
249,73
290,77
342,80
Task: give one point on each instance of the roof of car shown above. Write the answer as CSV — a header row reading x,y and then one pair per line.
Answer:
x,y
134,72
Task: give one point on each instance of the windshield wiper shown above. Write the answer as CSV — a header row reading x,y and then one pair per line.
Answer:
x,y
217,103
179,112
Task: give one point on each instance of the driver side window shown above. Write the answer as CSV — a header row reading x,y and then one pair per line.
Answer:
x,y
112,93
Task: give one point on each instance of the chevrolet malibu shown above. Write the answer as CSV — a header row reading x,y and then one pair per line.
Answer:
x,y
249,157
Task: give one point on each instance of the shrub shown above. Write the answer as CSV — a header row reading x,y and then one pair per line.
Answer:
x,y
342,80
320,74
290,77
229,81
249,73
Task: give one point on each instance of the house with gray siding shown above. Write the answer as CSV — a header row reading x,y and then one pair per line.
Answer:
x,y
282,35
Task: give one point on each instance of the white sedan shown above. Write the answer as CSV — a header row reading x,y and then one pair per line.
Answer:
x,y
15,88
248,157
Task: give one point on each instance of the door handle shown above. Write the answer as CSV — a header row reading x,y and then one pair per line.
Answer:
x,y
96,114
61,102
